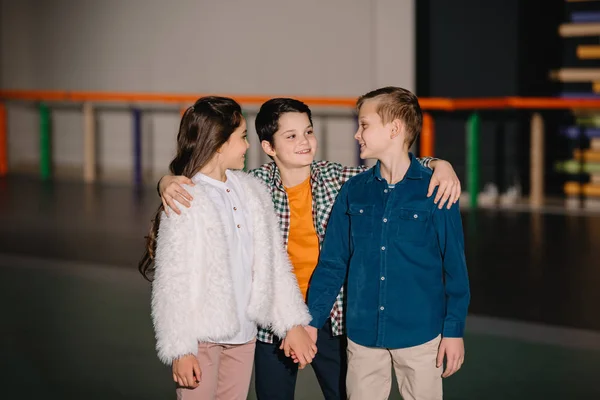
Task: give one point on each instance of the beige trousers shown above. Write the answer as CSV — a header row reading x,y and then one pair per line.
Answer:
x,y
226,371
370,372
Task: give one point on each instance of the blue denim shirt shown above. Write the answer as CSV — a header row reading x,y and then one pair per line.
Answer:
x,y
403,259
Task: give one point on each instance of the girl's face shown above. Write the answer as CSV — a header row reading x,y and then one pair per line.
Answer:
x,y
233,152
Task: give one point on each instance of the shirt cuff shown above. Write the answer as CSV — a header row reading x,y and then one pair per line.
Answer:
x,y
317,321
428,160
158,186
453,329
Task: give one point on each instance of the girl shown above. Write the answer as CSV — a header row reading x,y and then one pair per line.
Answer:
x,y
219,268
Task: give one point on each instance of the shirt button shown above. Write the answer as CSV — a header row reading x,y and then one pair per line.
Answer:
x,y
415,216
361,211
228,190
234,208
383,278
382,308
239,226
382,247
385,220
385,190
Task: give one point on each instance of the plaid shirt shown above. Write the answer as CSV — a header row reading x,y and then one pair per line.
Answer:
x,y
326,179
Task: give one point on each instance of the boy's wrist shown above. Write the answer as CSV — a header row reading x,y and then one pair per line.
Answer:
x,y
315,323
453,329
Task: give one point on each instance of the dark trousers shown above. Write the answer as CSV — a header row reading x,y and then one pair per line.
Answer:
x,y
276,374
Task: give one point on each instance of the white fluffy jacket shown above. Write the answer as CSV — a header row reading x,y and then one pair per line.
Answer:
x,y
192,292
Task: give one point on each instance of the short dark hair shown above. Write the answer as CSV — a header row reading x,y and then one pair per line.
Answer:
x,y
267,119
397,103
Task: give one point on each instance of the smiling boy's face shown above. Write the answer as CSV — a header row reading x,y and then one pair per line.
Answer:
x,y
294,143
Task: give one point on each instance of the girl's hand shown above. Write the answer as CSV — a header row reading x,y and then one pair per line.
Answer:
x,y
301,344
186,371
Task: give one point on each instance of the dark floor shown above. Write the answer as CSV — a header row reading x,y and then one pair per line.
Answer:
x,y
76,321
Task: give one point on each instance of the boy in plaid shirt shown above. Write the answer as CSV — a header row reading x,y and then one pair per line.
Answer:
x,y
303,192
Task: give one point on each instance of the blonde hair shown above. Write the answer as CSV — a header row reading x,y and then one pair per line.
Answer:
x,y
397,103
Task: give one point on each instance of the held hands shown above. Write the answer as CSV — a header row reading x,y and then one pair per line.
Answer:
x,y
186,371
454,350
444,176
170,190
300,345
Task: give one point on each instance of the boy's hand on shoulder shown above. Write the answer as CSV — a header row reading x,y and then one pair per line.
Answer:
x,y
449,186
454,351
170,190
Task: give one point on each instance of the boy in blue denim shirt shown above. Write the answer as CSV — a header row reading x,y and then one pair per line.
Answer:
x,y
403,258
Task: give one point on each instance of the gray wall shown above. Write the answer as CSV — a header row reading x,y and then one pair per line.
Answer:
x,y
266,47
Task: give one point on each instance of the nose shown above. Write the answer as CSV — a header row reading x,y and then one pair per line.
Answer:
x,y
304,139
357,134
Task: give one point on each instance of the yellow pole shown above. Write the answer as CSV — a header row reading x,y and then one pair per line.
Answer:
x,y
536,191
89,144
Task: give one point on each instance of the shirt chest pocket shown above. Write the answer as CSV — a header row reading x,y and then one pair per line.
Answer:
x,y
412,225
361,219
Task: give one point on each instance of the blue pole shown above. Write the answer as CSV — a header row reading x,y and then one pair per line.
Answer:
x,y
137,146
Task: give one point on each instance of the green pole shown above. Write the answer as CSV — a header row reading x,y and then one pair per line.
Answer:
x,y
45,153
473,133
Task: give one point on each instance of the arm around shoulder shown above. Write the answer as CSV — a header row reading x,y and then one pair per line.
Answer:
x,y
170,290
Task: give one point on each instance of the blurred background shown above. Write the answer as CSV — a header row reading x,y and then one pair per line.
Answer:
x,y
90,99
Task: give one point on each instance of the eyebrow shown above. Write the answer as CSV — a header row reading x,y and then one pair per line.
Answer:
x,y
293,130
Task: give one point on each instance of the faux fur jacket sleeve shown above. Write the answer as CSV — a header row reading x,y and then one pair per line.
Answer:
x,y
171,291
193,298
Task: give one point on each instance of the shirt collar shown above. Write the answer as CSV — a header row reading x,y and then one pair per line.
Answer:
x,y
200,177
315,175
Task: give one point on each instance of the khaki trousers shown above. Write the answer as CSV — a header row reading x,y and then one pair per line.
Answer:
x,y
370,372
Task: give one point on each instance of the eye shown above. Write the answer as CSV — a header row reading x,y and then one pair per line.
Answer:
x,y
309,132
291,136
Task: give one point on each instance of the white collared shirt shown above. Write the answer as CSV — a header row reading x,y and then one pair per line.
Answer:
x,y
228,198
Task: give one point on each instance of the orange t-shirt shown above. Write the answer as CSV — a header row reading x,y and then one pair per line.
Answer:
x,y
303,242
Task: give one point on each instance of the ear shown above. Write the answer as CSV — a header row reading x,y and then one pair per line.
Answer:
x,y
267,148
397,127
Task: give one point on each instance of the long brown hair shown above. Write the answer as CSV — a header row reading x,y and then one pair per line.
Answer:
x,y
204,128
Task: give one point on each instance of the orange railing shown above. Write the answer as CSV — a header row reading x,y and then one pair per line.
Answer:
x,y
428,104
434,103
